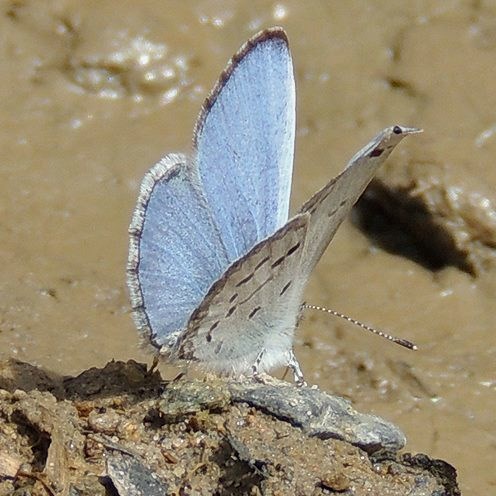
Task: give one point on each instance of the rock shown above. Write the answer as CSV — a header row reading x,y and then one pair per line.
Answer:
x,y
130,476
120,429
320,414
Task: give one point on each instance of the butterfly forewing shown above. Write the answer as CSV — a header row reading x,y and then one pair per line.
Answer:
x,y
253,307
329,206
244,142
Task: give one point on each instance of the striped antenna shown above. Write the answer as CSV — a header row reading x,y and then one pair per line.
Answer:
x,y
402,342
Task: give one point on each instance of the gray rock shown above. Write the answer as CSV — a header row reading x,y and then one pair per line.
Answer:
x,y
131,477
320,414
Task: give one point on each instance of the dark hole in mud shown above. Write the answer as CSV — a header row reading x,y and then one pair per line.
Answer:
x,y
110,489
39,441
401,225
154,419
237,476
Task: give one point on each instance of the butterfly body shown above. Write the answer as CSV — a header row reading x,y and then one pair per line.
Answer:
x,y
216,270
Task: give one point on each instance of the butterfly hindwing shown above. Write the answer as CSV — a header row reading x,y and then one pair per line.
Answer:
x,y
253,307
175,253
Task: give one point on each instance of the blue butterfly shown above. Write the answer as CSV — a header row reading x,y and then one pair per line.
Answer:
x,y
216,270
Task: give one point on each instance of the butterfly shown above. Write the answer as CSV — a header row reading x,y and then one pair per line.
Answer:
x,y
216,271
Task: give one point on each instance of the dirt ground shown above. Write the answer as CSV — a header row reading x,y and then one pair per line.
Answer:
x,y
121,428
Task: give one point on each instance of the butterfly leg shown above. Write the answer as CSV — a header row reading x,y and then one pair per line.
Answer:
x,y
295,367
256,366
153,366
258,376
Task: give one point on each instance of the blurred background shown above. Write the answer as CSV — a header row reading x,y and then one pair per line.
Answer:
x,y
94,93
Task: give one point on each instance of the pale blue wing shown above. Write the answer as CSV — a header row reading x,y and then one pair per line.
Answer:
x,y
244,139
175,253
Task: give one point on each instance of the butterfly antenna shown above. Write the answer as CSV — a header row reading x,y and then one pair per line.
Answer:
x,y
402,342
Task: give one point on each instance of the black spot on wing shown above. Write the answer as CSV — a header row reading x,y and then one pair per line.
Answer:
x,y
231,311
293,249
212,327
377,152
280,260
245,280
254,312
